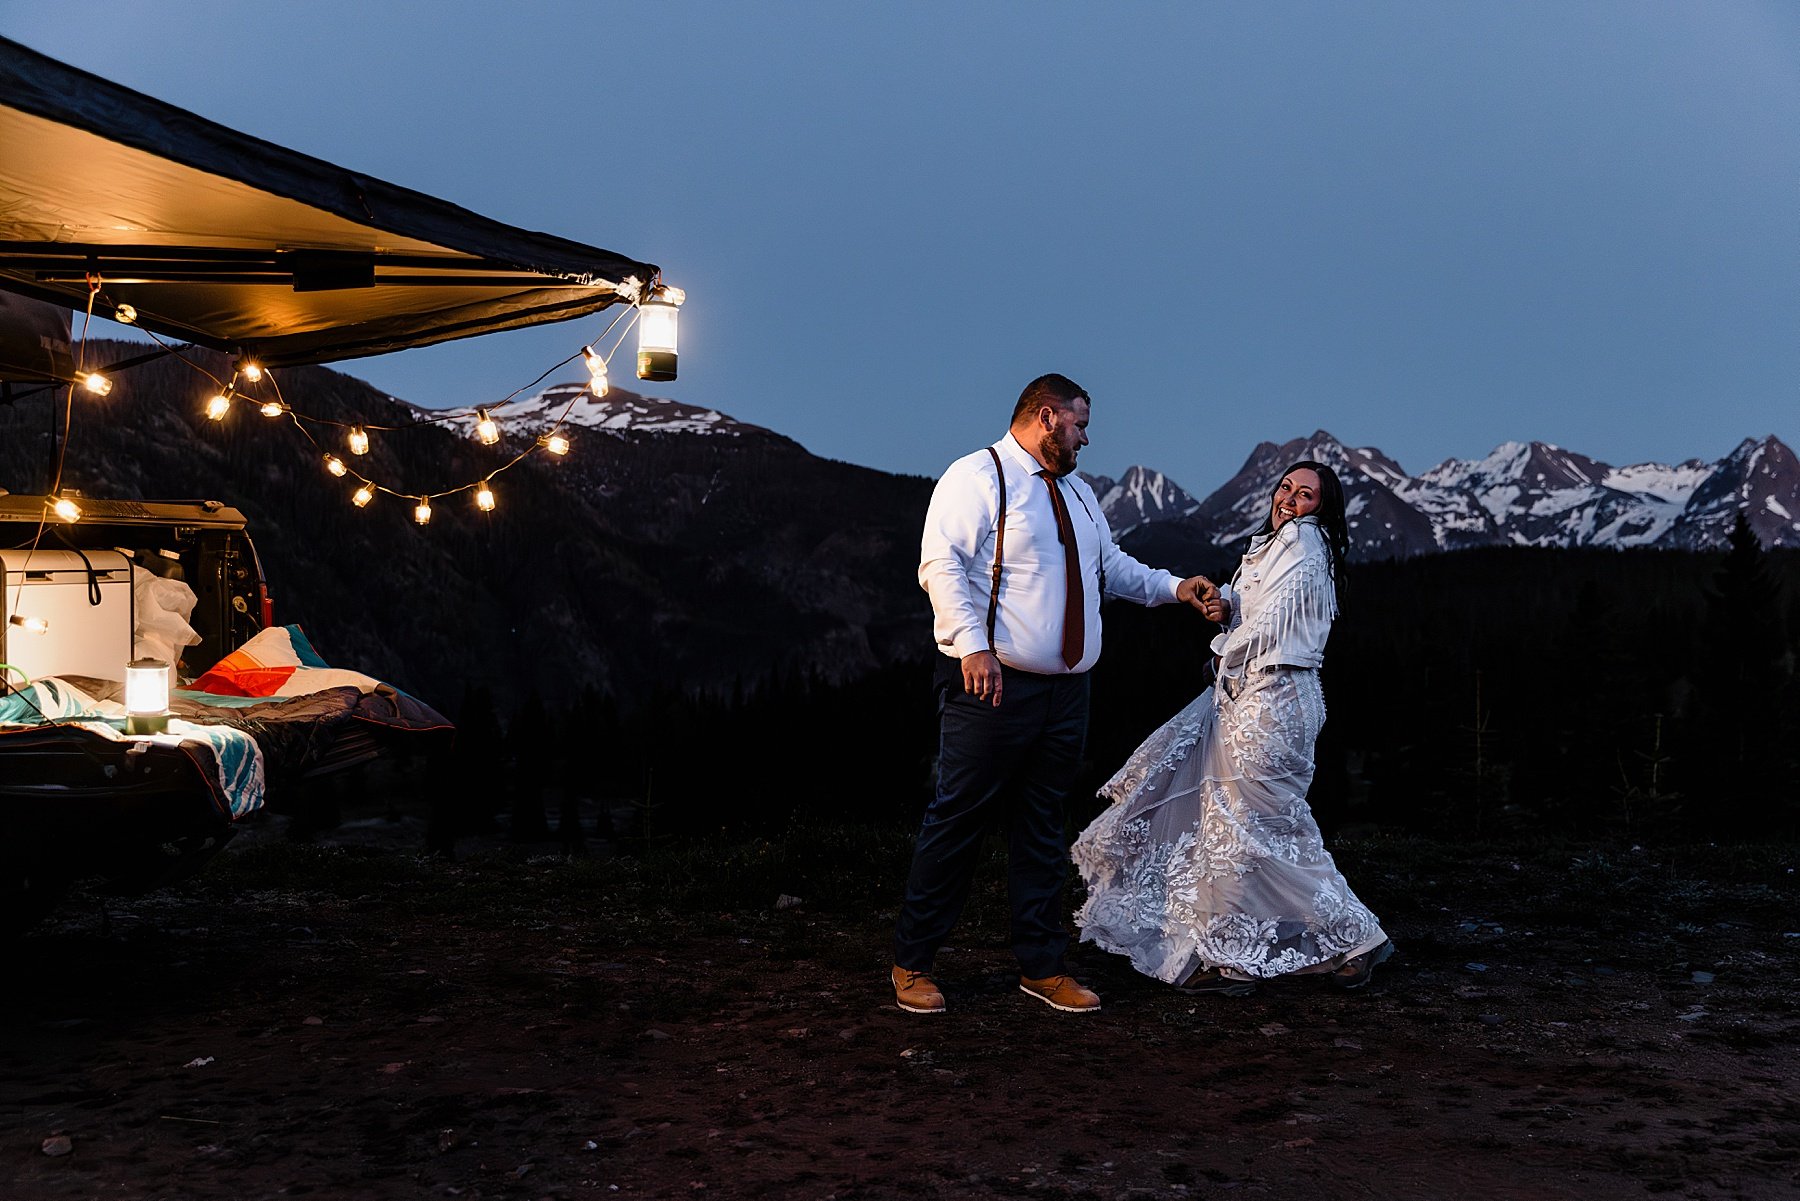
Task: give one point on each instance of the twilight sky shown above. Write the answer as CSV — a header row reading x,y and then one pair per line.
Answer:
x,y
1428,227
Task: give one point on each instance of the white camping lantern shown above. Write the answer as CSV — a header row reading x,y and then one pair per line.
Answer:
x,y
657,320
146,696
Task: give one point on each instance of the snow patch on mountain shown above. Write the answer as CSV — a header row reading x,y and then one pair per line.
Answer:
x,y
1139,496
619,412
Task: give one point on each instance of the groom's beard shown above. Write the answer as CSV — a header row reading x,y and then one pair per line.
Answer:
x,y
1054,455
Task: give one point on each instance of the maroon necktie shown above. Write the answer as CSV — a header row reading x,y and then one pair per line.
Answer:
x,y
1074,640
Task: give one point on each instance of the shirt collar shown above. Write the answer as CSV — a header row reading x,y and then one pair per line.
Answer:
x,y
1011,446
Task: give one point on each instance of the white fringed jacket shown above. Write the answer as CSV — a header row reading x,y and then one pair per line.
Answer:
x,y
1282,602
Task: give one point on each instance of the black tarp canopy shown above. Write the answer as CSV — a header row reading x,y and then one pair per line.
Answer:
x,y
231,242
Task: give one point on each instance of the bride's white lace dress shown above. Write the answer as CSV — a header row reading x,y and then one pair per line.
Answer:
x,y
1208,855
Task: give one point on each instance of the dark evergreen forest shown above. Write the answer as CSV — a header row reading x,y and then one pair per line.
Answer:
x,y
1488,694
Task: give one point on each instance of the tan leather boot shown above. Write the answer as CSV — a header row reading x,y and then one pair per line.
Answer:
x,y
1061,992
916,992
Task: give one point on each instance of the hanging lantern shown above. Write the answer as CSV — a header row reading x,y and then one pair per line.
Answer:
x,y
271,408
335,466
657,319
596,371
422,511
487,430
556,444
484,496
146,696
362,496
66,509
96,384
359,440
218,406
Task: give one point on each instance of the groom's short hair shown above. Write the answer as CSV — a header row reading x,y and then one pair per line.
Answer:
x,y
1057,391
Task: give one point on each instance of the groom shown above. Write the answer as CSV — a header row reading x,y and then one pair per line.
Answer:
x,y
1016,557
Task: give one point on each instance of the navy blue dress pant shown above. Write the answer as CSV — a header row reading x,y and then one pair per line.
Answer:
x,y
1013,766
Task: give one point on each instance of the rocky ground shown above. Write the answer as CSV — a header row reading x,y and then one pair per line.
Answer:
x,y
350,1019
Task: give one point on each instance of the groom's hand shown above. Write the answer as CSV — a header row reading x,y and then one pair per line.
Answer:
x,y
1197,591
981,676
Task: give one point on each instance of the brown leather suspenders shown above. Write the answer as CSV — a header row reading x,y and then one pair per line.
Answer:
x,y
999,548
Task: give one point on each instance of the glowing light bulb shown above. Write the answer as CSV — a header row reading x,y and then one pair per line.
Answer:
x,y
484,496
66,509
124,314
596,371
422,511
250,369
335,465
96,384
31,625
359,440
362,496
271,408
556,444
218,406
487,430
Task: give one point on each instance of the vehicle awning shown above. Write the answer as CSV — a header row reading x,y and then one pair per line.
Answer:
x,y
231,242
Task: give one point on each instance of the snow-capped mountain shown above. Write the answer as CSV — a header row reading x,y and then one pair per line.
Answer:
x,y
1523,493
618,412
1139,496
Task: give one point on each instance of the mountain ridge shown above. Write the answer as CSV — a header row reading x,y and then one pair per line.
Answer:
x,y
1520,494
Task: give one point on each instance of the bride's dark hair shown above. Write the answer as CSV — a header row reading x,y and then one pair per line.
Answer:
x,y
1329,515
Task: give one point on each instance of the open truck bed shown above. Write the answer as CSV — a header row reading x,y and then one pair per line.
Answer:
x,y
75,798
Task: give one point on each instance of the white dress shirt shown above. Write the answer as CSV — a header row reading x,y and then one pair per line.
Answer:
x,y
956,562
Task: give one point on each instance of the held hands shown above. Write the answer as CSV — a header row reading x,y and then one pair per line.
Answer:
x,y
981,676
1204,595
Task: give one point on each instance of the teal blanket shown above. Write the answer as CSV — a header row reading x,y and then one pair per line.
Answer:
x,y
236,757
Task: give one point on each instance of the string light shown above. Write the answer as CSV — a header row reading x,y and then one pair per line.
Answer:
x,y
654,311
656,317
596,370
31,625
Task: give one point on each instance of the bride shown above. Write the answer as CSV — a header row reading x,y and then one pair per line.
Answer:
x,y
1207,869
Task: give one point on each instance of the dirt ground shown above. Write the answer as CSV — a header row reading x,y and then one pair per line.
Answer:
x,y
360,1021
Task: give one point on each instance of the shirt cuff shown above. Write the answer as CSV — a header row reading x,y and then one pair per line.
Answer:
x,y
970,644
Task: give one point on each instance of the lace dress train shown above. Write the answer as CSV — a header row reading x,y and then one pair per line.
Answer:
x,y
1209,855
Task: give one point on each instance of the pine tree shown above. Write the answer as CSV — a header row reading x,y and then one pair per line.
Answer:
x,y
1741,682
